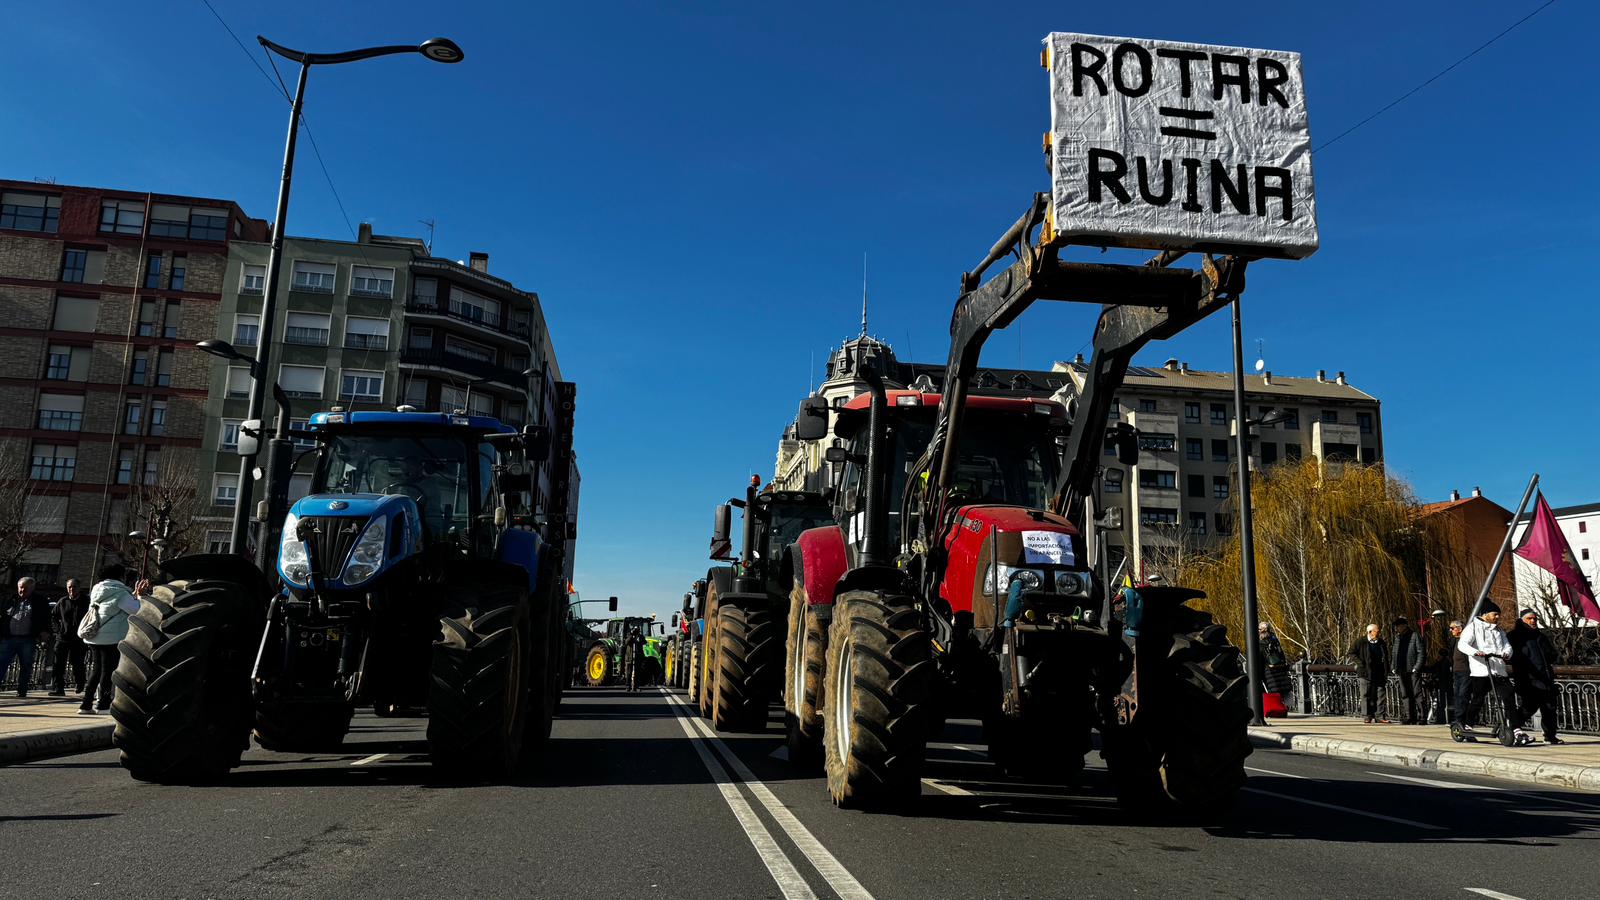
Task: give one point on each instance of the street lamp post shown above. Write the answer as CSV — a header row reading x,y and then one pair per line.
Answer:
x,y
436,49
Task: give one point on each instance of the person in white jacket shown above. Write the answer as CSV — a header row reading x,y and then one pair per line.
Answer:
x,y
111,601
1487,648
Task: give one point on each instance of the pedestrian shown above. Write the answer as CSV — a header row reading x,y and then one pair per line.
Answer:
x,y
1487,650
1408,658
1436,672
1533,659
1371,654
24,617
69,648
1460,677
111,602
1275,663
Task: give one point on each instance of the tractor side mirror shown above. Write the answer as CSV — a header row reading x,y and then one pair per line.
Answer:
x,y
812,422
536,440
1126,438
721,527
674,621
836,455
249,437
514,482
613,604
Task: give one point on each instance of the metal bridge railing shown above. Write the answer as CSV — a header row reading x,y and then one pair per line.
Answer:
x,y
1333,690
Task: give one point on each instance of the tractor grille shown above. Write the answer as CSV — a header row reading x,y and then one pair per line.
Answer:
x,y
335,536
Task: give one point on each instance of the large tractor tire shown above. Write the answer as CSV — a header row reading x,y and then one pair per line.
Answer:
x,y
749,664
694,675
670,679
302,727
806,651
479,703
182,705
708,657
1188,757
880,688
597,666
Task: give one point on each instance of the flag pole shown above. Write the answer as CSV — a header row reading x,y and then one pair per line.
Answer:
x,y
1504,546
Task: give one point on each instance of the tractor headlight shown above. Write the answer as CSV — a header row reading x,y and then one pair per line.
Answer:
x,y
1004,575
367,557
1028,578
1069,583
293,561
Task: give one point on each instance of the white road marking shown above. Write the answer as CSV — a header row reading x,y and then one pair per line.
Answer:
x,y
948,788
1492,895
1270,772
1431,782
1541,798
789,879
832,871
1354,812
371,759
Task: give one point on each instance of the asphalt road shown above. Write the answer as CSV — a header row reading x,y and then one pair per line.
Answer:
x,y
634,799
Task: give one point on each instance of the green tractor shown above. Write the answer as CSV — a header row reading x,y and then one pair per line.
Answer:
x,y
607,663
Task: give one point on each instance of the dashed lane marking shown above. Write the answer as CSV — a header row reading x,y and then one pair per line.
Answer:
x,y
1542,798
832,871
948,788
1271,772
1354,812
1492,895
371,759
789,879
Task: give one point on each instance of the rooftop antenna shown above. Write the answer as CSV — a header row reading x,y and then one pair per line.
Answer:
x,y
430,224
1261,357
863,293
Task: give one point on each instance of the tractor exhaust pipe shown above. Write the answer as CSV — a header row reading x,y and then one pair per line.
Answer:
x,y
876,526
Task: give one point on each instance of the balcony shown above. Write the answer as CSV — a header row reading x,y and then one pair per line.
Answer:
x,y
477,368
306,337
427,306
358,341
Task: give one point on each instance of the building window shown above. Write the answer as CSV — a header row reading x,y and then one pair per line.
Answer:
x,y
246,330
225,492
122,217
164,368
1369,455
301,381
425,293
1111,444
1147,406
300,442
60,412
1219,487
253,280
1157,516
133,418
474,308
1159,480
75,314
515,414
1113,481
58,364
1269,453
1191,413
218,541
366,334
1364,420
1291,452
1262,413
182,222
141,367
1197,523
30,212
315,278
417,393
1330,417
358,385
1224,523
481,404
457,347
1291,419
452,399
230,435
1158,442
307,328
1583,527
1219,449
173,318
158,418
152,467
152,271
1586,553
73,265
368,281
1219,414
1197,486
180,272
54,462
238,382
1194,448
125,466
147,318
419,339
208,225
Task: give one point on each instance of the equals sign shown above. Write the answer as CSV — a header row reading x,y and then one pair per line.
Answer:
x,y
1189,117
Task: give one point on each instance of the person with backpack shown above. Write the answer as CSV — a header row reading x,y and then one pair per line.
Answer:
x,y
104,626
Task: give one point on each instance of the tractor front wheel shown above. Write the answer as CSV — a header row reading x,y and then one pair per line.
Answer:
x,y
879,695
479,701
597,666
807,659
748,660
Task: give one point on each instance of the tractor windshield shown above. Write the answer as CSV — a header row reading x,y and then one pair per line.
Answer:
x,y
433,471
789,519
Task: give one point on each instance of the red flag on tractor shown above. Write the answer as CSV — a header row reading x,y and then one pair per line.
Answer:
x,y
1546,547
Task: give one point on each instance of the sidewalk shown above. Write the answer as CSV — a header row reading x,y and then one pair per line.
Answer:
x,y
41,726
1574,765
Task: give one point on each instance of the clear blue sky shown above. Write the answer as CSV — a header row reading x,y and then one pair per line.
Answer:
x,y
691,192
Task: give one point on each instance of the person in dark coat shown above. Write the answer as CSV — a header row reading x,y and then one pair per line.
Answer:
x,y
1408,659
1533,659
1460,675
1371,654
24,618
69,648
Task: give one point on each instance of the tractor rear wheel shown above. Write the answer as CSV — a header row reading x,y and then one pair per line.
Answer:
x,y
597,666
708,659
302,727
879,694
749,656
807,658
182,705
1190,757
694,675
671,657
479,704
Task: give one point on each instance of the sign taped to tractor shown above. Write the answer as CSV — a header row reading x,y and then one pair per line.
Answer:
x,y
1175,146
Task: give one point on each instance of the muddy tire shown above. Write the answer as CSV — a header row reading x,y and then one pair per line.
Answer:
x,y
879,688
749,664
302,727
694,675
806,653
182,704
480,698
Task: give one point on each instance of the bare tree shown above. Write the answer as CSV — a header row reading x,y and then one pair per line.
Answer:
x,y
1577,640
20,527
169,501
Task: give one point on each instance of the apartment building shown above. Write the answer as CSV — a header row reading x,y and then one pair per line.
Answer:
x,y
103,294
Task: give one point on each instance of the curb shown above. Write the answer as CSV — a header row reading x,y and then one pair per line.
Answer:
x,y
1531,771
23,746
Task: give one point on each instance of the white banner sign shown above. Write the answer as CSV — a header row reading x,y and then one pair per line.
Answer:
x,y
1165,145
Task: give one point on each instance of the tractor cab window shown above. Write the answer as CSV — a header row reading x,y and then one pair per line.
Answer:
x,y
433,471
789,519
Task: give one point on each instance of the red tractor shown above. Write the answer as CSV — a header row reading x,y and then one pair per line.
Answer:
x,y
960,580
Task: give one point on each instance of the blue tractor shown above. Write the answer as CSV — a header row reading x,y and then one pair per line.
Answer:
x,y
415,575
